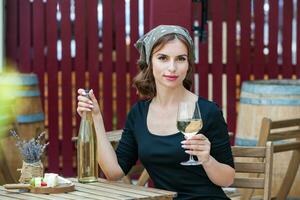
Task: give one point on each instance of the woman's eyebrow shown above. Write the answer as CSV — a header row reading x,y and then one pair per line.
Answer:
x,y
183,55
161,54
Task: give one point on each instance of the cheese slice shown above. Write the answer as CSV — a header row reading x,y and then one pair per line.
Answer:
x,y
51,179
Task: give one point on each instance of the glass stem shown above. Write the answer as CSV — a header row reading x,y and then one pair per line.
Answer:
x,y
191,158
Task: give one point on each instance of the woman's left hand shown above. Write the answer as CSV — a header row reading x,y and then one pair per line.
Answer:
x,y
199,146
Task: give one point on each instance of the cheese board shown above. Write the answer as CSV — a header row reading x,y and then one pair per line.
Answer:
x,y
62,188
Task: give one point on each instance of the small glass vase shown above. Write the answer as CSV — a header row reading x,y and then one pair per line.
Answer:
x,y
30,170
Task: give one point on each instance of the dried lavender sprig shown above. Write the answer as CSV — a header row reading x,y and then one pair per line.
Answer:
x,y
38,139
31,150
15,135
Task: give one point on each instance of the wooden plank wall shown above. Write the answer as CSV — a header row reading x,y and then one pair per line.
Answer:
x,y
106,61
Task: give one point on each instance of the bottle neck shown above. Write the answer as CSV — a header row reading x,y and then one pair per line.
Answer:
x,y
87,115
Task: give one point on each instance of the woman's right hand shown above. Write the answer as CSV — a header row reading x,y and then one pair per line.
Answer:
x,y
85,104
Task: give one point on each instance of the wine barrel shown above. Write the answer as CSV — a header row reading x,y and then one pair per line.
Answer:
x,y
277,100
24,113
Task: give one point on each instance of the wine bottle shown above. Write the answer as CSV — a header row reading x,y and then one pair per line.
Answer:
x,y
87,166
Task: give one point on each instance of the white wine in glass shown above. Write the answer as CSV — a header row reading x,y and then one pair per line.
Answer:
x,y
189,122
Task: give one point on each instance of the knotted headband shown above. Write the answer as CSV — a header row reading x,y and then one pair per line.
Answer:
x,y
146,42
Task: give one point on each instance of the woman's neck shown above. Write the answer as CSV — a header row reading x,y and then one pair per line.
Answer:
x,y
167,96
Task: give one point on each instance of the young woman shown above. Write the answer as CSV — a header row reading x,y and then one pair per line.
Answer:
x,y
150,134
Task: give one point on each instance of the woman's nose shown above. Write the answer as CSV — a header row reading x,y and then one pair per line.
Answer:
x,y
172,66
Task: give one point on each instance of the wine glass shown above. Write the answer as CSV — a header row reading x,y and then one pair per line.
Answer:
x,y
189,122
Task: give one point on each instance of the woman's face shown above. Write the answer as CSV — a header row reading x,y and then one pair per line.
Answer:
x,y
170,64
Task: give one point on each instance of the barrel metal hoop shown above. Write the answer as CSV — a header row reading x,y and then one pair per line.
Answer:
x,y
272,87
38,117
262,101
27,93
245,142
22,80
251,142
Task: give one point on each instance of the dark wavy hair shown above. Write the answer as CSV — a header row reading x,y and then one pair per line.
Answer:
x,y
144,81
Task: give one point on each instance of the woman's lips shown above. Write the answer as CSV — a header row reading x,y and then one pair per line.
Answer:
x,y
171,77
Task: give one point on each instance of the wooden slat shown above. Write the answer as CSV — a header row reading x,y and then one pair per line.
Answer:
x,y
146,16
93,192
217,66
284,135
298,42
144,177
259,64
231,67
66,63
134,35
12,196
154,190
243,151
52,68
66,196
39,67
287,69
286,147
202,68
285,123
50,197
272,66
25,36
80,39
245,57
92,45
12,31
82,195
119,191
120,62
256,167
15,195
4,197
166,12
107,63
248,183
138,189
269,170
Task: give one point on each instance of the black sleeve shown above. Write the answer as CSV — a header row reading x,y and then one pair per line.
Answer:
x,y
127,153
217,133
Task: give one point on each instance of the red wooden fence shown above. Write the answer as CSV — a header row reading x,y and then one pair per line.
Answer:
x,y
105,59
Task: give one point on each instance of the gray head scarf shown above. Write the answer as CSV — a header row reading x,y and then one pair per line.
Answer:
x,y
146,42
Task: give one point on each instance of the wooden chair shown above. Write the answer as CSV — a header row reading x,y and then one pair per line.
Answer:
x,y
261,166
286,137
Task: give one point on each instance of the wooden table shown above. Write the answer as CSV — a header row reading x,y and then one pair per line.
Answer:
x,y
102,190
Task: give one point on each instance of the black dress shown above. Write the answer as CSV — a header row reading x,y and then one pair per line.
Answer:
x,y
161,155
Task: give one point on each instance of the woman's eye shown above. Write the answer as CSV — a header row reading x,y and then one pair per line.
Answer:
x,y
163,58
181,58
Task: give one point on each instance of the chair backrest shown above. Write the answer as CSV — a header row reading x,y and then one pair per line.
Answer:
x,y
286,137
280,130
243,160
